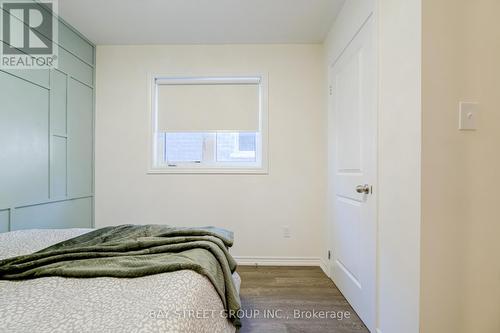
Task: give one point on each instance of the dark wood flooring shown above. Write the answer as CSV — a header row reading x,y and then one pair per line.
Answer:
x,y
291,295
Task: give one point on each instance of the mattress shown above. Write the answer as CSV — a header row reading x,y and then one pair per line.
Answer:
x,y
182,301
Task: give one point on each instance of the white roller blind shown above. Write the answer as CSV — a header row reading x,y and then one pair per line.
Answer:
x,y
203,107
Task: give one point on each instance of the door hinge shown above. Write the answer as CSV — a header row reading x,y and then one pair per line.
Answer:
x,y
331,90
329,254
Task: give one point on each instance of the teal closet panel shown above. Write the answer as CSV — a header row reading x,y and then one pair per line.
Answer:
x,y
39,77
80,123
58,101
46,140
75,44
58,169
63,214
78,69
24,133
4,220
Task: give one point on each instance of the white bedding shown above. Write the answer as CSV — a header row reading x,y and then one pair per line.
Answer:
x,y
158,303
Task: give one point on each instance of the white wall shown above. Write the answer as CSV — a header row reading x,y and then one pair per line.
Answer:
x,y
399,113
460,173
400,135
255,207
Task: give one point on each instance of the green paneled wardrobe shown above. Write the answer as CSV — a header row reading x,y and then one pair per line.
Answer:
x,y
47,140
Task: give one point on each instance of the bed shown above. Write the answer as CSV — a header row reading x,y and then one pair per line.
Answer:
x,y
181,301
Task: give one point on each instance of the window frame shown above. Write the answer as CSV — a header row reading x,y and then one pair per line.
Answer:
x,y
154,167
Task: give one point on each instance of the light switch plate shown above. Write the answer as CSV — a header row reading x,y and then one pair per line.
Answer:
x,y
468,116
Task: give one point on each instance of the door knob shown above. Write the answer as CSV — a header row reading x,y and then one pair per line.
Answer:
x,y
364,189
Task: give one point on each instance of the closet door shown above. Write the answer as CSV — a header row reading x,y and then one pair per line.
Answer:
x,y
46,140
80,129
24,123
353,173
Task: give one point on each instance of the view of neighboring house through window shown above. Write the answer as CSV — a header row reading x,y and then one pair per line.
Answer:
x,y
190,147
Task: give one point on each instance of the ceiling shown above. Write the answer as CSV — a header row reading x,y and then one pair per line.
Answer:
x,y
201,21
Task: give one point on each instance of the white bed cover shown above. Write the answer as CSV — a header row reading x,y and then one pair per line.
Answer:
x,y
182,301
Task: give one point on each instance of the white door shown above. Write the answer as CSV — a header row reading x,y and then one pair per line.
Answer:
x,y
352,171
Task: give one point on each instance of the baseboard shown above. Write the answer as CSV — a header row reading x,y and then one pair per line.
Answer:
x,y
278,261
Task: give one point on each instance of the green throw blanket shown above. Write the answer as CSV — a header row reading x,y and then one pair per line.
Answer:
x,y
129,251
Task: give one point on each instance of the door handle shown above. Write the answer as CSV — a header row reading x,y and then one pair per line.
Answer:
x,y
364,189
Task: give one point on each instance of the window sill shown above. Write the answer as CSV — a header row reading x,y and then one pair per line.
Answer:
x,y
221,171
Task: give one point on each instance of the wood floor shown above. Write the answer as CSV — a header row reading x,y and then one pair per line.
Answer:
x,y
291,295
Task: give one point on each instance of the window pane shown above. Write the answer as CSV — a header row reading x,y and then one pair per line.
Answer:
x,y
236,147
247,142
184,147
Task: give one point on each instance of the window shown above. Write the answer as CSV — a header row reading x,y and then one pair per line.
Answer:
x,y
209,125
